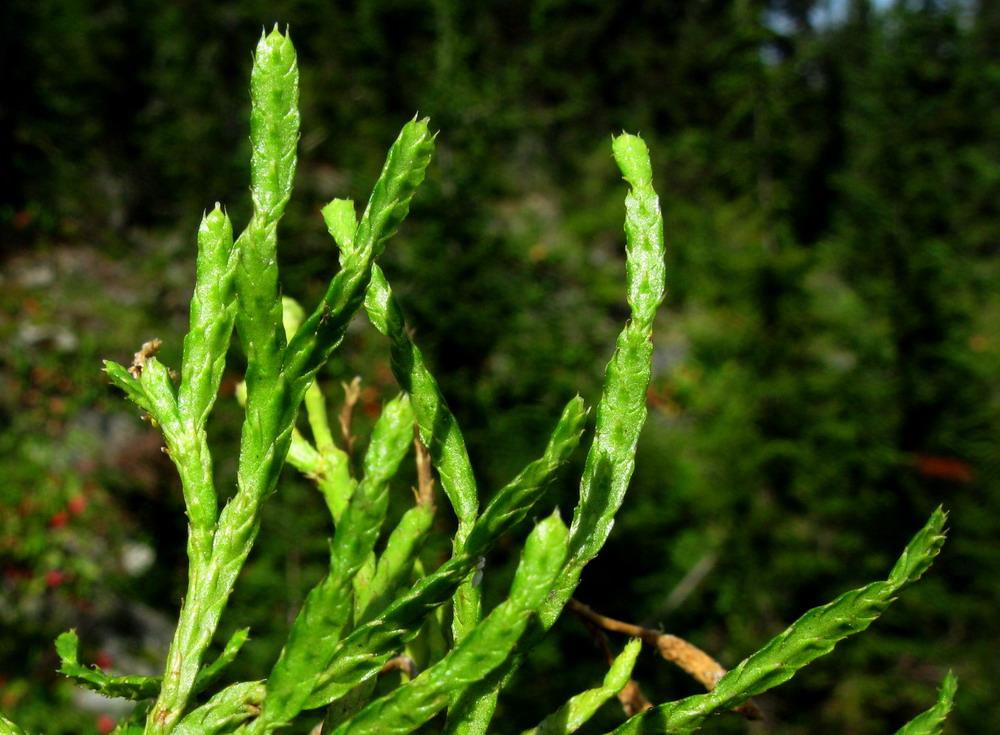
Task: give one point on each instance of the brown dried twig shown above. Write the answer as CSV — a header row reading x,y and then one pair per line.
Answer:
x,y
352,393
631,697
687,656
425,481
401,663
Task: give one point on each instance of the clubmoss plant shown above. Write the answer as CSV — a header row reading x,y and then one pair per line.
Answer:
x,y
371,609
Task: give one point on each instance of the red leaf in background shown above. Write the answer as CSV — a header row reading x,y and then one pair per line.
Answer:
x,y
77,504
944,468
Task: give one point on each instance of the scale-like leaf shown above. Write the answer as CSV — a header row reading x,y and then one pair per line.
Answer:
x,y
132,388
931,722
342,223
152,391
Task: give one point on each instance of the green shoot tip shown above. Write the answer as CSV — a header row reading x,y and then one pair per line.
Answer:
x,y
632,156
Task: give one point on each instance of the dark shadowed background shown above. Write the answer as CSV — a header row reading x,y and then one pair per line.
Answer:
x,y
827,357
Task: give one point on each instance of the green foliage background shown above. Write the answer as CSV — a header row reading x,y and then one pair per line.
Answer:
x,y
826,362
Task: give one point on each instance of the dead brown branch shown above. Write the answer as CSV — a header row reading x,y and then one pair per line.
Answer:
x,y
352,393
687,656
425,481
400,663
633,700
631,697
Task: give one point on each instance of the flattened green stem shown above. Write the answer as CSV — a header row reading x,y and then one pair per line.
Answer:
x,y
136,687
396,562
575,713
516,498
408,707
182,418
811,636
327,610
208,675
621,413
472,709
319,424
389,204
277,378
213,310
931,722
323,330
318,335
330,472
199,617
362,654
376,584
274,126
186,444
439,432
325,464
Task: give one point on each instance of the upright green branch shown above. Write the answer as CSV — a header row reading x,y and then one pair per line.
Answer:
x,y
274,124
